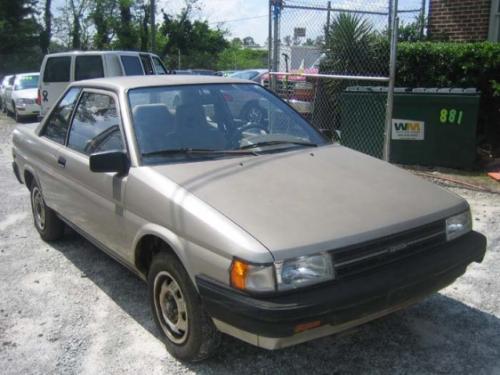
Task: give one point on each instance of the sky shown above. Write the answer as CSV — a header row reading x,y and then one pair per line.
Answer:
x,y
250,17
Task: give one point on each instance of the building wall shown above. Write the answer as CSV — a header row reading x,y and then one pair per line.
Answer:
x,y
459,20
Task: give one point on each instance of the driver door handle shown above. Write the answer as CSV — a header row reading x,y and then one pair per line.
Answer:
x,y
61,162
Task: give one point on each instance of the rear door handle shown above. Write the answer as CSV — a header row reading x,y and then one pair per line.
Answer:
x,y
61,161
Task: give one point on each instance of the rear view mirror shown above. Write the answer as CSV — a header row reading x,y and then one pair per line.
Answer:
x,y
109,161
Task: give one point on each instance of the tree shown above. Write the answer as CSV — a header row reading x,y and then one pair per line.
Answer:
x,y
46,34
248,41
143,14
125,32
102,16
194,40
19,36
18,27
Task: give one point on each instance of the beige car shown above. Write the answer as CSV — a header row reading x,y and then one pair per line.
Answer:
x,y
262,230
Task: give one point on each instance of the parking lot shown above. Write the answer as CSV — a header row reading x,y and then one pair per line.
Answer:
x,y
68,308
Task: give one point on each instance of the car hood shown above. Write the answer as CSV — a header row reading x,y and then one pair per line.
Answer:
x,y
25,94
311,200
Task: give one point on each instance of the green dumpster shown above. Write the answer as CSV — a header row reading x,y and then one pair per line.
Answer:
x,y
435,127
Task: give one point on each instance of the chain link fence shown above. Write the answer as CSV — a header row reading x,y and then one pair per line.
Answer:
x,y
331,61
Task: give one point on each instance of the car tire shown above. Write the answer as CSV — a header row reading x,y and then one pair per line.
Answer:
x,y
17,117
46,221
187,331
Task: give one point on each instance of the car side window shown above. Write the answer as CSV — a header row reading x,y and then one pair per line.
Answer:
x,y
57,69
132,66
88,67
58,122
96,125
160,69
146,63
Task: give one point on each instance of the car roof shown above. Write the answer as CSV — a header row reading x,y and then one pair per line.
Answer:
x,y
70,53
27,74
131,82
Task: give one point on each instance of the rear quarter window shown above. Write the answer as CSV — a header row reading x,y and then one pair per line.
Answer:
x,y
132,65
57,69
88,67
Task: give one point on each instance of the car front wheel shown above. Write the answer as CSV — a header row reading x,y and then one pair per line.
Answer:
x,y
188,332
47,223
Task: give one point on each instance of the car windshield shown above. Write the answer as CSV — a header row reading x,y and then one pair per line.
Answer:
x,y
246,74
215,120
27,82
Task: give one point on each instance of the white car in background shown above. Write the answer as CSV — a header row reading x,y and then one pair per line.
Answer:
x,y
20,99
6,82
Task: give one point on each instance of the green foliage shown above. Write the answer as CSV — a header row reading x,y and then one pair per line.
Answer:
x,y
198,44
349,43
412,31
19,34
18,27
431,64
237,58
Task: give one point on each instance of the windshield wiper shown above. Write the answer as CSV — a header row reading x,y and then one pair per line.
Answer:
x,y
272,143
196,151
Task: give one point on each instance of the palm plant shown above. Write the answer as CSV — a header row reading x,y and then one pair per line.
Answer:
x,y
349,44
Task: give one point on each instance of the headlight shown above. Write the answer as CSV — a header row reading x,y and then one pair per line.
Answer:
x,y
22,101
458,225
282,275
303,271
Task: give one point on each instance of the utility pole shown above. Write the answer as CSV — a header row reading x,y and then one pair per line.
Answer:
x,y
153,27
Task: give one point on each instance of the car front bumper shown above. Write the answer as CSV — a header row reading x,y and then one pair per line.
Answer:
x,y
273,322
28,109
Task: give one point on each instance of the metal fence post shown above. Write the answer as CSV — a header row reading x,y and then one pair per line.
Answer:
x,y
422,19
392,82
277,5
328,16
270,38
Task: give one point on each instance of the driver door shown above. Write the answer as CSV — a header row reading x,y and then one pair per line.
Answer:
x,y
95,203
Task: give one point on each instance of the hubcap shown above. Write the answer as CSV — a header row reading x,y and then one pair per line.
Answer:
x,y
170,307
38,208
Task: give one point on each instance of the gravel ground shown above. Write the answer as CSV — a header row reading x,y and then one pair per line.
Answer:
x,y
68,308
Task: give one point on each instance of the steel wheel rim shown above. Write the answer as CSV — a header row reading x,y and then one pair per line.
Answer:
x,y
38,208
170,306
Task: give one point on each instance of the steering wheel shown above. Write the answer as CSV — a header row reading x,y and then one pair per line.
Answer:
x,y
238,131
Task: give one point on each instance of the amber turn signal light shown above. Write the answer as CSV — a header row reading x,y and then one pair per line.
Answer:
x,y
239,272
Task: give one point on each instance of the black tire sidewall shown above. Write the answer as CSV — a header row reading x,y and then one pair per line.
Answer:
x,y
54,227
200,327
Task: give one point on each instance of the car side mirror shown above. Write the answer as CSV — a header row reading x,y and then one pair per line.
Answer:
x,y
109,161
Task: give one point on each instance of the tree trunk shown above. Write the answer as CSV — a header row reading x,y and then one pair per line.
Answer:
x,y
46,34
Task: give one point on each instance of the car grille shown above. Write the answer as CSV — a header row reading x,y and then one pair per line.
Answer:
x,y
363,257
